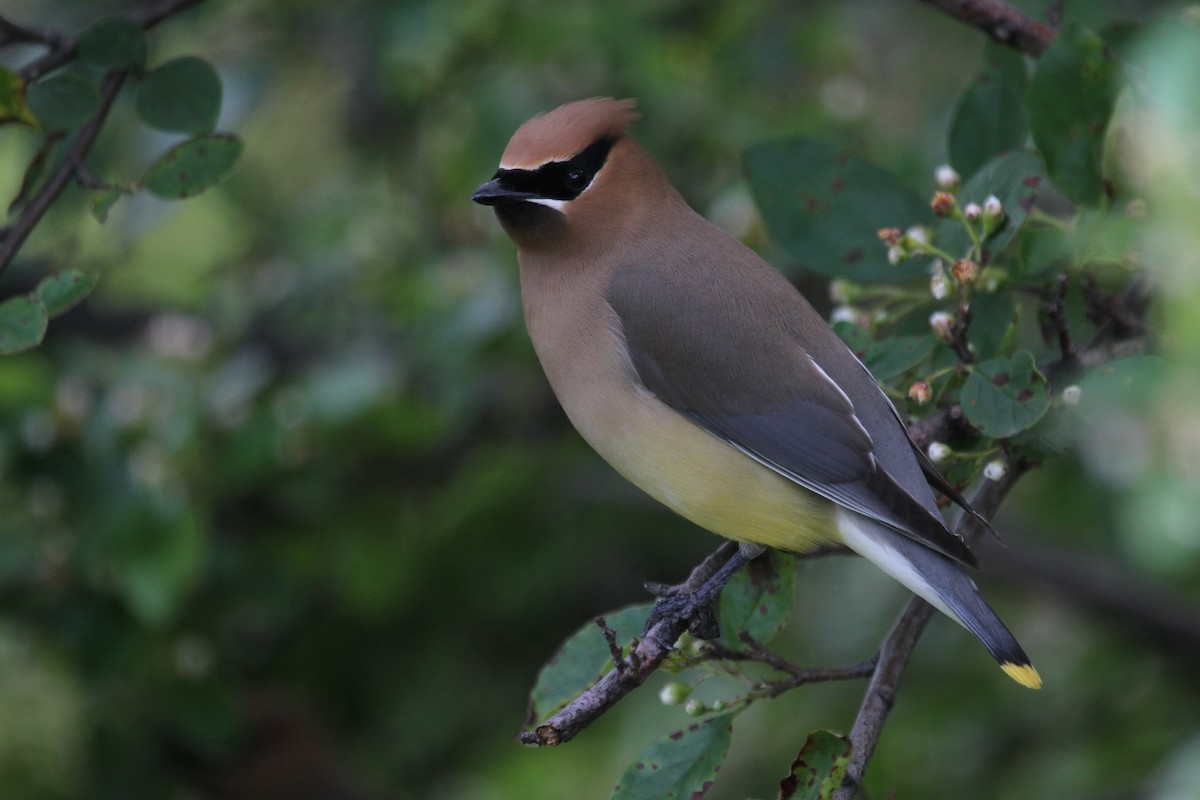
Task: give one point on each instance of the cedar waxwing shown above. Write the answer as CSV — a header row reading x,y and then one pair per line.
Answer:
x,y
703,376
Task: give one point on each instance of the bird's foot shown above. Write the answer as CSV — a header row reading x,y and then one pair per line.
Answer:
x,y
694,609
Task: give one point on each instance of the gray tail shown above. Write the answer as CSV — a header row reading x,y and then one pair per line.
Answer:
x,y
944,584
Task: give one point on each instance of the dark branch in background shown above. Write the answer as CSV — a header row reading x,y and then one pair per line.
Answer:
x,y
15,236
1002,22
62,46
14,33
62,50
897,649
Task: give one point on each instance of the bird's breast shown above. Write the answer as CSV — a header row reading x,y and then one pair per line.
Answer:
x,y
579,342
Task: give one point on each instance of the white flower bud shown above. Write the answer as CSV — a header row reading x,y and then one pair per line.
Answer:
x,y
939,287
845,314
992,206
918,235
972,211
946,177
695,708
995,470
1071,395
895,254
938,452
942,324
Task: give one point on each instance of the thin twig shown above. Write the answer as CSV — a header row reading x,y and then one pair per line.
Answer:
x,y
12,33
1002,22
16,235
628,674
73,166
145,17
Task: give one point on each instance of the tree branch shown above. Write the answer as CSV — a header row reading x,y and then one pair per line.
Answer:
x,y
1002,22
897,649
628,673
62,50
16,235
63,47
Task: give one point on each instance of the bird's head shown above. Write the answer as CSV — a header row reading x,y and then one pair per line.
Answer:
x,y
560,170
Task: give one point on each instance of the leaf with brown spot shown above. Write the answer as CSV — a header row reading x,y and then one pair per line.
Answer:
x,y
1003,396
758,600
824,206
682,764
818,769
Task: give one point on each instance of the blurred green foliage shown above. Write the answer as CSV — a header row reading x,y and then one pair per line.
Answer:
x,y
292,466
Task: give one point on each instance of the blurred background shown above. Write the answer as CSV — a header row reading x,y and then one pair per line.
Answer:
x,y
288,510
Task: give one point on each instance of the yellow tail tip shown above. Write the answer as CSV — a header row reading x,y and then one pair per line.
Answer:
x,y
1023,674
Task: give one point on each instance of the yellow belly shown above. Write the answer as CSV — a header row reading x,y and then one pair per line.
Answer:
x,y
705,480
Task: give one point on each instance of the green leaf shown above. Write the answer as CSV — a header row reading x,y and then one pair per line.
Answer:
x,y
758,599
892,357
990,118
582,660
825,208
818,769
182,96
13,106
992,317
23,323
1014,178
63,102
113,44
681,765
1044,253
62,292
190,168
1051,436
857,339
1005,396
1071,101
103,201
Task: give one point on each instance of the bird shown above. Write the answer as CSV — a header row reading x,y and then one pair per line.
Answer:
x,y
705,378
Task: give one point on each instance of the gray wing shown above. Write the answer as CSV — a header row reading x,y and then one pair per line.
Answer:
x,y
740,373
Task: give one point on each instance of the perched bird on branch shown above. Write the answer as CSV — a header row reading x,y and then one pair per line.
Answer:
x,y
705,378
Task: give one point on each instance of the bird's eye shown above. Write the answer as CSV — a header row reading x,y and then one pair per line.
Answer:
x,y
577,179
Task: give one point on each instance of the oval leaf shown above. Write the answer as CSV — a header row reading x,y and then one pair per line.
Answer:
x,y
1005,396
818,769
1014,179
758,599
192,167
1070,102
897,355
825,208
63,102
23,323
990,117
681,765
581,661
113,44
62,292
182,96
